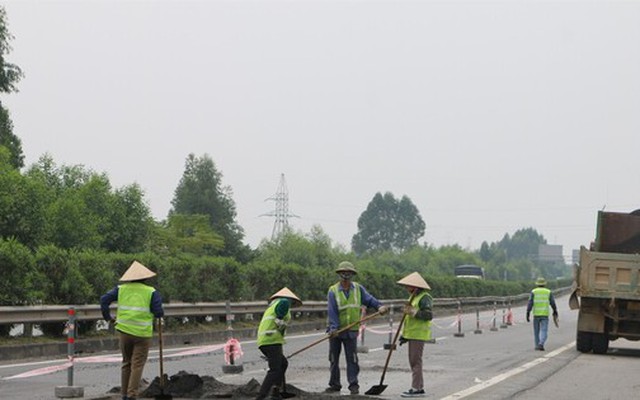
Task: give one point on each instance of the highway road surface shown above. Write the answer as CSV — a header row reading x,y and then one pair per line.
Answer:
x,y
498,363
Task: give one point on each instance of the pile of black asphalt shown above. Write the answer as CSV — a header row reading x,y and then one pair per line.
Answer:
x,y
184,385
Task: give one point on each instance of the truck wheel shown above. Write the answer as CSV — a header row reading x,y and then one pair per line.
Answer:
x,y
600,343
584,341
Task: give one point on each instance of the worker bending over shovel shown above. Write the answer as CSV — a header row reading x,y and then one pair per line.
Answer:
x,y
271,332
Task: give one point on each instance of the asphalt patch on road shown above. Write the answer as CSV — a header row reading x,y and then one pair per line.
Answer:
x,y
184,385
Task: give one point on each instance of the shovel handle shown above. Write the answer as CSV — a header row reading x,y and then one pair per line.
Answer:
x,y
325,337
395,339
160,353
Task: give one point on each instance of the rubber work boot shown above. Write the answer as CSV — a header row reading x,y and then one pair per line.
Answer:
x,y
275,394
332,389
354,389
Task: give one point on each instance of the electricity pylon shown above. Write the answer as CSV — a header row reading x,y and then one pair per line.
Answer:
x,y
281,224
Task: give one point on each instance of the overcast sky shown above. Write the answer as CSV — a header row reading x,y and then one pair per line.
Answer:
x,y
491,116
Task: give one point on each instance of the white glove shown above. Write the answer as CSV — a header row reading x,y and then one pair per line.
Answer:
x,y
280,323
383,310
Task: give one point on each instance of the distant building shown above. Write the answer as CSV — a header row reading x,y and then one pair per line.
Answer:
x,y
575,256
550,253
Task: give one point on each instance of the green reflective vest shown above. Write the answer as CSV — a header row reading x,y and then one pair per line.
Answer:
x,y
348,308
417,329
134,313
541,301
268,332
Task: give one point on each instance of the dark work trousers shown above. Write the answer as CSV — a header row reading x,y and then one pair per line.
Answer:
x,y
350,342
277,368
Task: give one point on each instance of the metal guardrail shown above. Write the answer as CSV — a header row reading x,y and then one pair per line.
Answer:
x,y
59,313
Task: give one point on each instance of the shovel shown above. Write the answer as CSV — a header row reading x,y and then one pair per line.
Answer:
x,y
162,395
346,328
377,389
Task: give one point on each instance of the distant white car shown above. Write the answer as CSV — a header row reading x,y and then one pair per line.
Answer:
x,y
469,271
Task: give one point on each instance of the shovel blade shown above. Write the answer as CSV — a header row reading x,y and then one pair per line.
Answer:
x,y
376,389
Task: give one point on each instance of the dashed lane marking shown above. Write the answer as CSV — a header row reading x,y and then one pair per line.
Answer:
x,y
499,378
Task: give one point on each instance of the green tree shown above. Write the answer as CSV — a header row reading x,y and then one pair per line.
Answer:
x,y
83,210
130,220
22,205
388,225
10,75
200,191
186,233
9,140
523,244
20,282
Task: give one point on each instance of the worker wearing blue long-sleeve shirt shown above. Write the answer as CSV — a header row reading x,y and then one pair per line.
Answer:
x,y
344,300
138,304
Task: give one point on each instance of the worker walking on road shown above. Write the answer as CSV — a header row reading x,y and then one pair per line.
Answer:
x,y
344,300
138,304
271,332
539,301
417,328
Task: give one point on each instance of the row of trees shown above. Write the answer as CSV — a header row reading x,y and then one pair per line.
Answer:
x,y
305,264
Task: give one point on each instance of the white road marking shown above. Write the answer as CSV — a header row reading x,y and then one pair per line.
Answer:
x,y
499,378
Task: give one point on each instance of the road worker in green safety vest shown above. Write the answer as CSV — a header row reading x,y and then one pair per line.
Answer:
x,y
539,301
344,301
271,332
138,304
417,328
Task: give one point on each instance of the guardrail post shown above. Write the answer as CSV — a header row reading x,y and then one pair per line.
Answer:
x,y
70,391
504,318
478,330
231,345
363,328
459,333
493,323
389,344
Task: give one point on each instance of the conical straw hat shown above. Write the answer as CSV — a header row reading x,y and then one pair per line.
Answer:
x,y
137,272
285,292
414,279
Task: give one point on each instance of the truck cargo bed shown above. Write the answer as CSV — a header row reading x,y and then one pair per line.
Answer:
x,y
609,275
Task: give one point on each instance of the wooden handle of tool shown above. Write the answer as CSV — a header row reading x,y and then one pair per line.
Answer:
x,y
339,331
393,344
160,352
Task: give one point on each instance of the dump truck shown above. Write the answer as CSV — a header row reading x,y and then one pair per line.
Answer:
x,y
606,289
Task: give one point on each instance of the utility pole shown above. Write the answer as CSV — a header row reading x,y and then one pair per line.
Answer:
x,y
281,212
